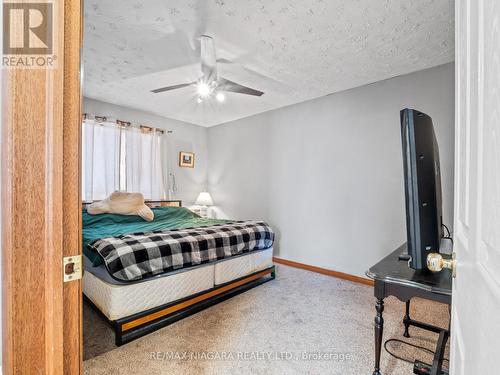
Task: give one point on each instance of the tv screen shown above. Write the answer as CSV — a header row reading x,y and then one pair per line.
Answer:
x,y
422,186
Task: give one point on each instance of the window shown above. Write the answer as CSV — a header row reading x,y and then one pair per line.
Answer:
x,y
121,157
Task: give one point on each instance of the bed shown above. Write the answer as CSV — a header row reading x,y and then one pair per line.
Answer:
x,y
216,259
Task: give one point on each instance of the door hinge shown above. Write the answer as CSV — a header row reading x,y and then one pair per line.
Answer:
x,y
72,268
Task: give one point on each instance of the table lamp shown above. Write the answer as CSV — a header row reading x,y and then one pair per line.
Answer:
x,y
204,200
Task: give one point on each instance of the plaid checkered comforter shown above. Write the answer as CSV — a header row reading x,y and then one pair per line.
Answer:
x,y
141,255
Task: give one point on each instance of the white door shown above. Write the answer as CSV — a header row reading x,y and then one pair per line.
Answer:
x,y
475,331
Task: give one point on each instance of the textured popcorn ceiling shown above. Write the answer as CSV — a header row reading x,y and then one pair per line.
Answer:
x,y
293,50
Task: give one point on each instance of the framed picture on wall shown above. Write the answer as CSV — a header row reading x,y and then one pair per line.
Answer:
x,y
186,159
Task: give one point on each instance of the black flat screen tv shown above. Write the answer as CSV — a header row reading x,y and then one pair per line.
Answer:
x,y
422,178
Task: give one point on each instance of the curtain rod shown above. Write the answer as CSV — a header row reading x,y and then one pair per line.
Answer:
x,y
125,124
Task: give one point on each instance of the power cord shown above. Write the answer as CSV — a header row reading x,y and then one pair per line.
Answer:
x,y
449,233
447,229
423,348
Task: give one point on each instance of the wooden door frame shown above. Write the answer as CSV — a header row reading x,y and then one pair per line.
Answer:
x,y
41,215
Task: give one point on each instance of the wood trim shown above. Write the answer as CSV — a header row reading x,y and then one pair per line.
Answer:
x,y
34,222
32,218
325,271
72,218
169,310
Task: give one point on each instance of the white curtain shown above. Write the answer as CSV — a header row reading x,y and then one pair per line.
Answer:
x,y
122,158
144,162
100,159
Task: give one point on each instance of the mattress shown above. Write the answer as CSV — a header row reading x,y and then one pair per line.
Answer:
x,y
117,300
237,267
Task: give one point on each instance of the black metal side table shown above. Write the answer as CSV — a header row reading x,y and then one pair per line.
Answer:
x,y
393,277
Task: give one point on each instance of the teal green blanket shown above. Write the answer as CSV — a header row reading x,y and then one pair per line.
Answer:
x,y
111,225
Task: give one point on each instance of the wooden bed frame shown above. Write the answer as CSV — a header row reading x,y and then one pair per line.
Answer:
x,y
149,203
137,325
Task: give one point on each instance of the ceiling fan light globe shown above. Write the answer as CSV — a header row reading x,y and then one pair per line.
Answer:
x,y
203,89
220,97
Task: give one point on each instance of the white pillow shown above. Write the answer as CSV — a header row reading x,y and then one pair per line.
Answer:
x,y
122,203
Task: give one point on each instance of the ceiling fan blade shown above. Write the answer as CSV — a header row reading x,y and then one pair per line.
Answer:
x,y
208,59
224,61
277,85
168,88
227,85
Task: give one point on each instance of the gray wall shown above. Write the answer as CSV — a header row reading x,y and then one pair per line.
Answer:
x,y
185,137
327,174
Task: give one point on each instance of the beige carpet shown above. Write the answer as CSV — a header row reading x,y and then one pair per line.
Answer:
x,y
300,323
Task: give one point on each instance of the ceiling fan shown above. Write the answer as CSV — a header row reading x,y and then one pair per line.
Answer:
x,y
210,84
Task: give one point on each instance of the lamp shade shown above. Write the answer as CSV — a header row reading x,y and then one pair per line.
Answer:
x,y
204,199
